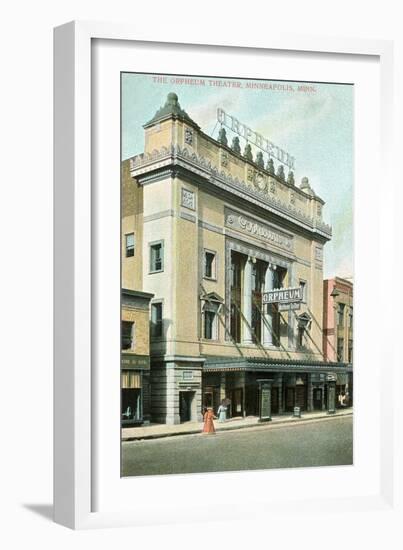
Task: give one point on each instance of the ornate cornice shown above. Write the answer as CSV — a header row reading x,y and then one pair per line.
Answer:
x,y
177,156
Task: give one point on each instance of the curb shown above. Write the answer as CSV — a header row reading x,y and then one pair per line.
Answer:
x,y
232,428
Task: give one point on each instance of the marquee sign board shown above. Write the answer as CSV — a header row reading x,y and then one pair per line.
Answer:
x,y
283,296
255,139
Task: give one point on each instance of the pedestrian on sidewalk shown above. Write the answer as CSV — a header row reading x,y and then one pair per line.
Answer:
x,y
222,412
208,427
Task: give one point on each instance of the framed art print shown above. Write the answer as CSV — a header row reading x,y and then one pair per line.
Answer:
x,y
212,245
236,310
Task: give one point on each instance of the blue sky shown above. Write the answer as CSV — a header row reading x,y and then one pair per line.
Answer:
x,y
315,127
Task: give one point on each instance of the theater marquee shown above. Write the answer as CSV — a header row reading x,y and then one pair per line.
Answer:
x,y
283,296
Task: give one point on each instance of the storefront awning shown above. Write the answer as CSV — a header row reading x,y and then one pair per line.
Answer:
x,y
253,364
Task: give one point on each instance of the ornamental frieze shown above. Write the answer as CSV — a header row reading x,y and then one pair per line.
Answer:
x,y
260,188
254,228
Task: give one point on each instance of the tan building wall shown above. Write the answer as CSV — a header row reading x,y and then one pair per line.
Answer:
x,y
141,320
132,222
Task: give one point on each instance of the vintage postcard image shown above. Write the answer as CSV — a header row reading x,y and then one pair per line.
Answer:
x,y
236,274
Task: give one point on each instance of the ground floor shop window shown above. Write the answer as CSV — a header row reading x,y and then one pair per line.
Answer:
x,y
131,405
131,397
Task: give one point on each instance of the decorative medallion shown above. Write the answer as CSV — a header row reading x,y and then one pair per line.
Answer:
x,y
261,182
188,199
250,174
188,136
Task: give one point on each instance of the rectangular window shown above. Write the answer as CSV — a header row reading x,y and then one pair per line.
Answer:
x,y
350,314
303,287
340,315
129,238
258,274
209,264
127,335
156,257
156,319
277,320
209,325
340,349
350,351
300,337
236,277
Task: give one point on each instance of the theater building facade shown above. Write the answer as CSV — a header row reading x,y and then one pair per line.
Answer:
x,y
209,230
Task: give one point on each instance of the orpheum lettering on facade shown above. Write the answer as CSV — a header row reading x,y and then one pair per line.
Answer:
x,y
256,229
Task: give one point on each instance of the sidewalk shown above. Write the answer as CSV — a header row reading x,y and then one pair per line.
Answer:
x,y
155,431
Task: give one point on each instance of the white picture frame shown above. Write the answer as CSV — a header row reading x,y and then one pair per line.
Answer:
x,y
77,391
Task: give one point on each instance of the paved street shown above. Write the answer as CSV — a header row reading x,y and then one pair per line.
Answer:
x,y
326,442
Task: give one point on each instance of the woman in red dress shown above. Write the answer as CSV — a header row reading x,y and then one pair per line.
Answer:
x,y
208,427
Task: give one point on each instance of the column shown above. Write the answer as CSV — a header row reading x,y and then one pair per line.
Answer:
x,y
222,386
309,404
146,394
247,302
280,395
244,395
267,317
172,395
331,397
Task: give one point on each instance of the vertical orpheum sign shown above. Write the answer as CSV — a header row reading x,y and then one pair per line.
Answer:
x,y
254,138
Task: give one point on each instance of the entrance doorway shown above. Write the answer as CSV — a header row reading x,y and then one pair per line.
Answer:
x,y
317,399
295,396
274,401
237,402
300,397
186,399
289,398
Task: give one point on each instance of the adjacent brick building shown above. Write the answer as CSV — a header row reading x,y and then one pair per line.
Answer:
x,y
338,330
135,357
